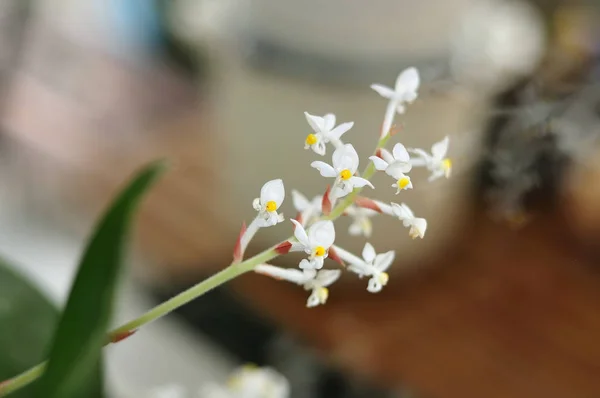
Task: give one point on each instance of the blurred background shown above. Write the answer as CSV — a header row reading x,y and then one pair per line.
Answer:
x,y
502,298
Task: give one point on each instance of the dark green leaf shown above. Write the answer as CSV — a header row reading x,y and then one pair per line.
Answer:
x,y
26,322
81,332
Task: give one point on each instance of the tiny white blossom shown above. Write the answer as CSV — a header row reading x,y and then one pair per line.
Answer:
x,y
271,198
395,164
250,382
436,162
315,243
306,208
316,282
418,226
372,264
168,391
345,163
324,131
361,221
405,91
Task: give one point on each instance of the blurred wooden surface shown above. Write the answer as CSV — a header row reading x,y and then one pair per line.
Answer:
x,y
505,313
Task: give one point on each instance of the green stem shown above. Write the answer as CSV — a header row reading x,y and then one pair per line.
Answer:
x,y
195,291
225,275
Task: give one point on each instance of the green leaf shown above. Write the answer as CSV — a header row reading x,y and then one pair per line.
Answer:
x,y
81,333
27,319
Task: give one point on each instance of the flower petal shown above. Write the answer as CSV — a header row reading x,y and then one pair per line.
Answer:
x,y
256,204
355,229
272,190
320,148
328,122
384,91
321,233
359,269
440,148
359,182
408,81
289,274
327,276
420,224
305,265
345,158
300,201
402,211
379,163
374,285
396,169
313,300
400,153
316,123
436,175
325,169
300,234
337,132
368,252
384,260
418,162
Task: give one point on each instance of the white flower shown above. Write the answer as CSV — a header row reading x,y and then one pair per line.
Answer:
x,y
361,221
418,226
405,91
324,132
271,198
316,282
395,164
372,264
250,382
168,391
315,243
437,162
345,162
306,208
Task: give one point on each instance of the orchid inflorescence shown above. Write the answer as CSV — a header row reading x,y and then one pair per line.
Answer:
x,y
314,232
313,228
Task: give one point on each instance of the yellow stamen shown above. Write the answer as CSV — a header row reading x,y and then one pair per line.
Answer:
x,y
345,174
447,166
403,182
271,206
323,294
414,233
384,278
311,139
319,251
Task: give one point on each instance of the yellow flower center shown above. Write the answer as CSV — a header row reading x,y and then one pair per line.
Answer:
x,y
319,251
323,294
345,174
403,182
311,139
447,165
414,233
271,206
384,278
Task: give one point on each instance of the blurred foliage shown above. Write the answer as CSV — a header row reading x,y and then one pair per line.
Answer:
x,y
27,320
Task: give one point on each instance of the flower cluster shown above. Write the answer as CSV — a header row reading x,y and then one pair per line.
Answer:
x,y
314,232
